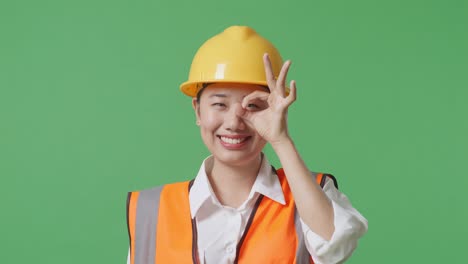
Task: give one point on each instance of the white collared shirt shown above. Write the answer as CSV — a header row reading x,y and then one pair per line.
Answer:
x,y
221,227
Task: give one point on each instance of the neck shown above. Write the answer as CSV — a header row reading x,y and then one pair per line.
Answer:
x,y
232,184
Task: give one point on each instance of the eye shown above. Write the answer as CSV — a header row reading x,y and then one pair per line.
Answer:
x,y
253,106
218,105
256,106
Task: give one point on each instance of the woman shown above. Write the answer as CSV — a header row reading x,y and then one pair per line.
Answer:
x,y
238,208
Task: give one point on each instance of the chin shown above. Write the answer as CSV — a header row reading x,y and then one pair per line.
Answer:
x,y
235,159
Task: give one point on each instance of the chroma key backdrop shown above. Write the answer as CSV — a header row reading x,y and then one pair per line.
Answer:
x,y
90,109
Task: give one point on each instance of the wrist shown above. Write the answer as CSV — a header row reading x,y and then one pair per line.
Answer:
x,y
281,144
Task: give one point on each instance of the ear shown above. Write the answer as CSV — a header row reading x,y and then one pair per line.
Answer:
x,y
196,108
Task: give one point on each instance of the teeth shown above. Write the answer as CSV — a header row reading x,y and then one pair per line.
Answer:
x,y
232,140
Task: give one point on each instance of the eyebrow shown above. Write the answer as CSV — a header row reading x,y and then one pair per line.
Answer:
x,y
218,95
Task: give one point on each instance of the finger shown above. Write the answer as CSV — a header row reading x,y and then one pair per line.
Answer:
x,y
248,118
270,77
281,82
257,95
292,92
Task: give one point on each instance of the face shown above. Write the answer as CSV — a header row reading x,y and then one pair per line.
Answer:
x,y
229,138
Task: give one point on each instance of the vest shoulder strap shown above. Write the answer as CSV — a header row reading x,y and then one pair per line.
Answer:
x,y
322,177
142,219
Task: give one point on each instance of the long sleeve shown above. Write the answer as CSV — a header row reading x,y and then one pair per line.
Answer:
x,y
350,225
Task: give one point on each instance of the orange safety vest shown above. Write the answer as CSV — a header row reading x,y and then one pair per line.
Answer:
x,y
161,229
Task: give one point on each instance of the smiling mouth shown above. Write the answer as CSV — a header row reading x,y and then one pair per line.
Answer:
x,y
234,141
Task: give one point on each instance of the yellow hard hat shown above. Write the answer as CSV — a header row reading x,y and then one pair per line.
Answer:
x,y
233,56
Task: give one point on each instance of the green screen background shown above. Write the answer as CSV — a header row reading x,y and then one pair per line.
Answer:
x,y
90,109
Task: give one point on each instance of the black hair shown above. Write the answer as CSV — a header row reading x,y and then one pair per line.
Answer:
x,y
203,86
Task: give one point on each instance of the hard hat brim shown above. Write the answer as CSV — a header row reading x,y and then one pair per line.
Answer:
x,y
192,88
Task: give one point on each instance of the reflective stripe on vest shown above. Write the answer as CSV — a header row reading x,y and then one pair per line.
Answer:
x,y
160,232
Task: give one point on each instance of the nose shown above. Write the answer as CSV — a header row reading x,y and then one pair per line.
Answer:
x,y
233,119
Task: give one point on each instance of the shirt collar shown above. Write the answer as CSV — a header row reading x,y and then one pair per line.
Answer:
x,y
266,183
